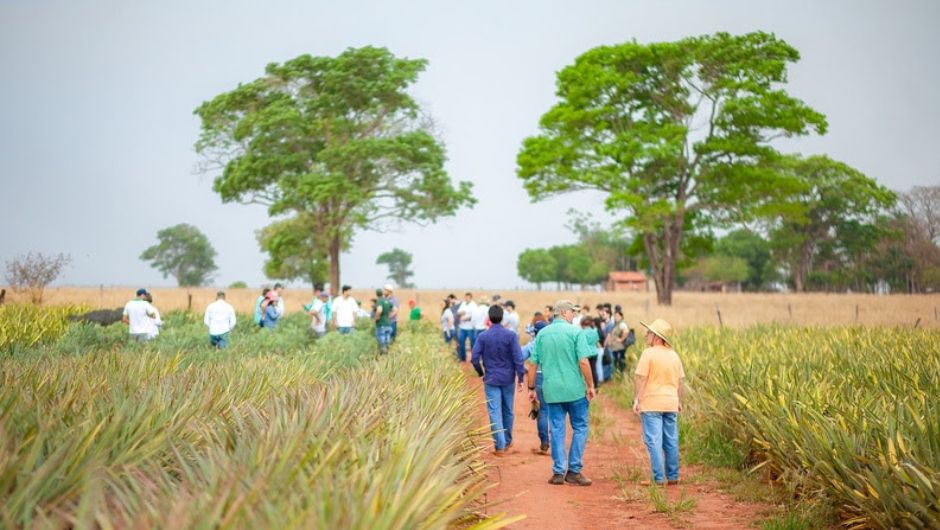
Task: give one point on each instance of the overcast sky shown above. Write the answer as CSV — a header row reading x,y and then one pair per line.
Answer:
x,y
97,130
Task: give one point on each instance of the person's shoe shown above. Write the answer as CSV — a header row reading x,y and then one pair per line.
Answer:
x,y
508,447
577,479
499,452
672,482
544,448
557,479
651,483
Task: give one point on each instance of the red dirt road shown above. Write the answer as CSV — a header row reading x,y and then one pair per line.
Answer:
x,y
615,452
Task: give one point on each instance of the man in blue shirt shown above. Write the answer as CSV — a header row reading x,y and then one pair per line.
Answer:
x,y
497,358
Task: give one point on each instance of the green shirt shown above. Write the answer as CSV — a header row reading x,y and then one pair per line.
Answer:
x,y
415,313
558,350
592,337
386,311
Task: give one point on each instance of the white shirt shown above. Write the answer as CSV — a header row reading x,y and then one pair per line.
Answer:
x,y
511,321
465,314
318,316
155,323
480,314
344,311
279,305
139,313
220,317
447,320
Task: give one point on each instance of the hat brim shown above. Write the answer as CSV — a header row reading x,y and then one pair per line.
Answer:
x,y
654,332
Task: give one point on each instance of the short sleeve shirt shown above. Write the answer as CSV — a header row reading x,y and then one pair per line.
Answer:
x,y
663,370
386,310
558,351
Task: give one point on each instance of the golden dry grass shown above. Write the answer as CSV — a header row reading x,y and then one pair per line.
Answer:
x,y
688,309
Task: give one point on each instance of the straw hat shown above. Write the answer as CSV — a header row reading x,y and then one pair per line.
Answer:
x,y
661,329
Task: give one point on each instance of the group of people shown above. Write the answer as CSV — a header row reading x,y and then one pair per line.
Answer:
x,y
569,353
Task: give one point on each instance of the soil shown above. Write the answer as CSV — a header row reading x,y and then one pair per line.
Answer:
x,y
616,460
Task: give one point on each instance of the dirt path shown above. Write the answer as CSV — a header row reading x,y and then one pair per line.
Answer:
x,y
615,459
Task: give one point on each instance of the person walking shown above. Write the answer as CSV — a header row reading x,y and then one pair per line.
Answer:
x,y
510,317
657,399
562,352
447,321
465,326
480,317
345,309
617,342
220,319
497,358
383,327
317,314
269,313
259,311
589,330
139,316
542,418
393,315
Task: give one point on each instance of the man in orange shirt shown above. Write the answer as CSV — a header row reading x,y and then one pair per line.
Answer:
x,y
660,381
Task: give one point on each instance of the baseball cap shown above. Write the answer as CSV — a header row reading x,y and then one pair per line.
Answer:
x,y
141,292
564,305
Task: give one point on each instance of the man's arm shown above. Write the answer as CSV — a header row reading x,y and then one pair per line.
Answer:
x,y
477,356
530,377
518,362
585,367
378,312
639,385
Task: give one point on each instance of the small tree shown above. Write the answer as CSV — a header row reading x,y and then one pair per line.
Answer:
x,y
536,265
398,262
34,271
183,252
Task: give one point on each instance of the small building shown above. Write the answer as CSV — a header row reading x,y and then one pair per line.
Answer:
x,y
627,281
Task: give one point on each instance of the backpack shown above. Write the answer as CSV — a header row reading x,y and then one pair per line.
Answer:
x,y
630,340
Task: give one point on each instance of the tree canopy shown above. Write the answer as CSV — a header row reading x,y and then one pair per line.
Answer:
x,y
338,139
678,135
182,251
398,262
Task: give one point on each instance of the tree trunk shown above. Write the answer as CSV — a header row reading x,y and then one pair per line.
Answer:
x,y
803,267
334,265
663,251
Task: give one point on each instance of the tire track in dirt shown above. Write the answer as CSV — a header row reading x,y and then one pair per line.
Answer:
x,y
613,459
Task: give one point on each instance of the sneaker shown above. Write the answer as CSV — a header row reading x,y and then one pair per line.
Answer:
x,y
577,479
557,479
672,482
544,448
508,447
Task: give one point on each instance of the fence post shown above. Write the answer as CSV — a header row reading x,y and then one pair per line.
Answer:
x,y
189,303
718,311
856,313
916,324
790,310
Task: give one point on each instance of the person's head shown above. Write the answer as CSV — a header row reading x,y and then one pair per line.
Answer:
x,y
142,293
379,293
220,295
445,304
539,326
388,289
564,309
317,287
497,299
265,291
324,295
411,303
451,297
607,308
496,314
483,301
149,297
618,309
278,288
538,317
549,310
510,306
587,322
346,290
468,297
618,316
585,310
659,333
270,296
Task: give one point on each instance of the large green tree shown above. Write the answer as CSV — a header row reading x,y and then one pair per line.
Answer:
x,y
678,135
182,251
756,253
338,139
399,263
834,214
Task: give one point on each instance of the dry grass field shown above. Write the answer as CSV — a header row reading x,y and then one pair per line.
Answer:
x,y
688,309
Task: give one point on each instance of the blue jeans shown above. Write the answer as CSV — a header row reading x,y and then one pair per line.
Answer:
x,y
543,413
344,330
577,413
384,335
661,436
219,341
448,336
394,334
462,337
499,401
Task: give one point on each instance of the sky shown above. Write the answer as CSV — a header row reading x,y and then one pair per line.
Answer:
x,y
97,126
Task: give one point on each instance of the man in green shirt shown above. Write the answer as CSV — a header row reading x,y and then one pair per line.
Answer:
x,y
383,326
562,351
